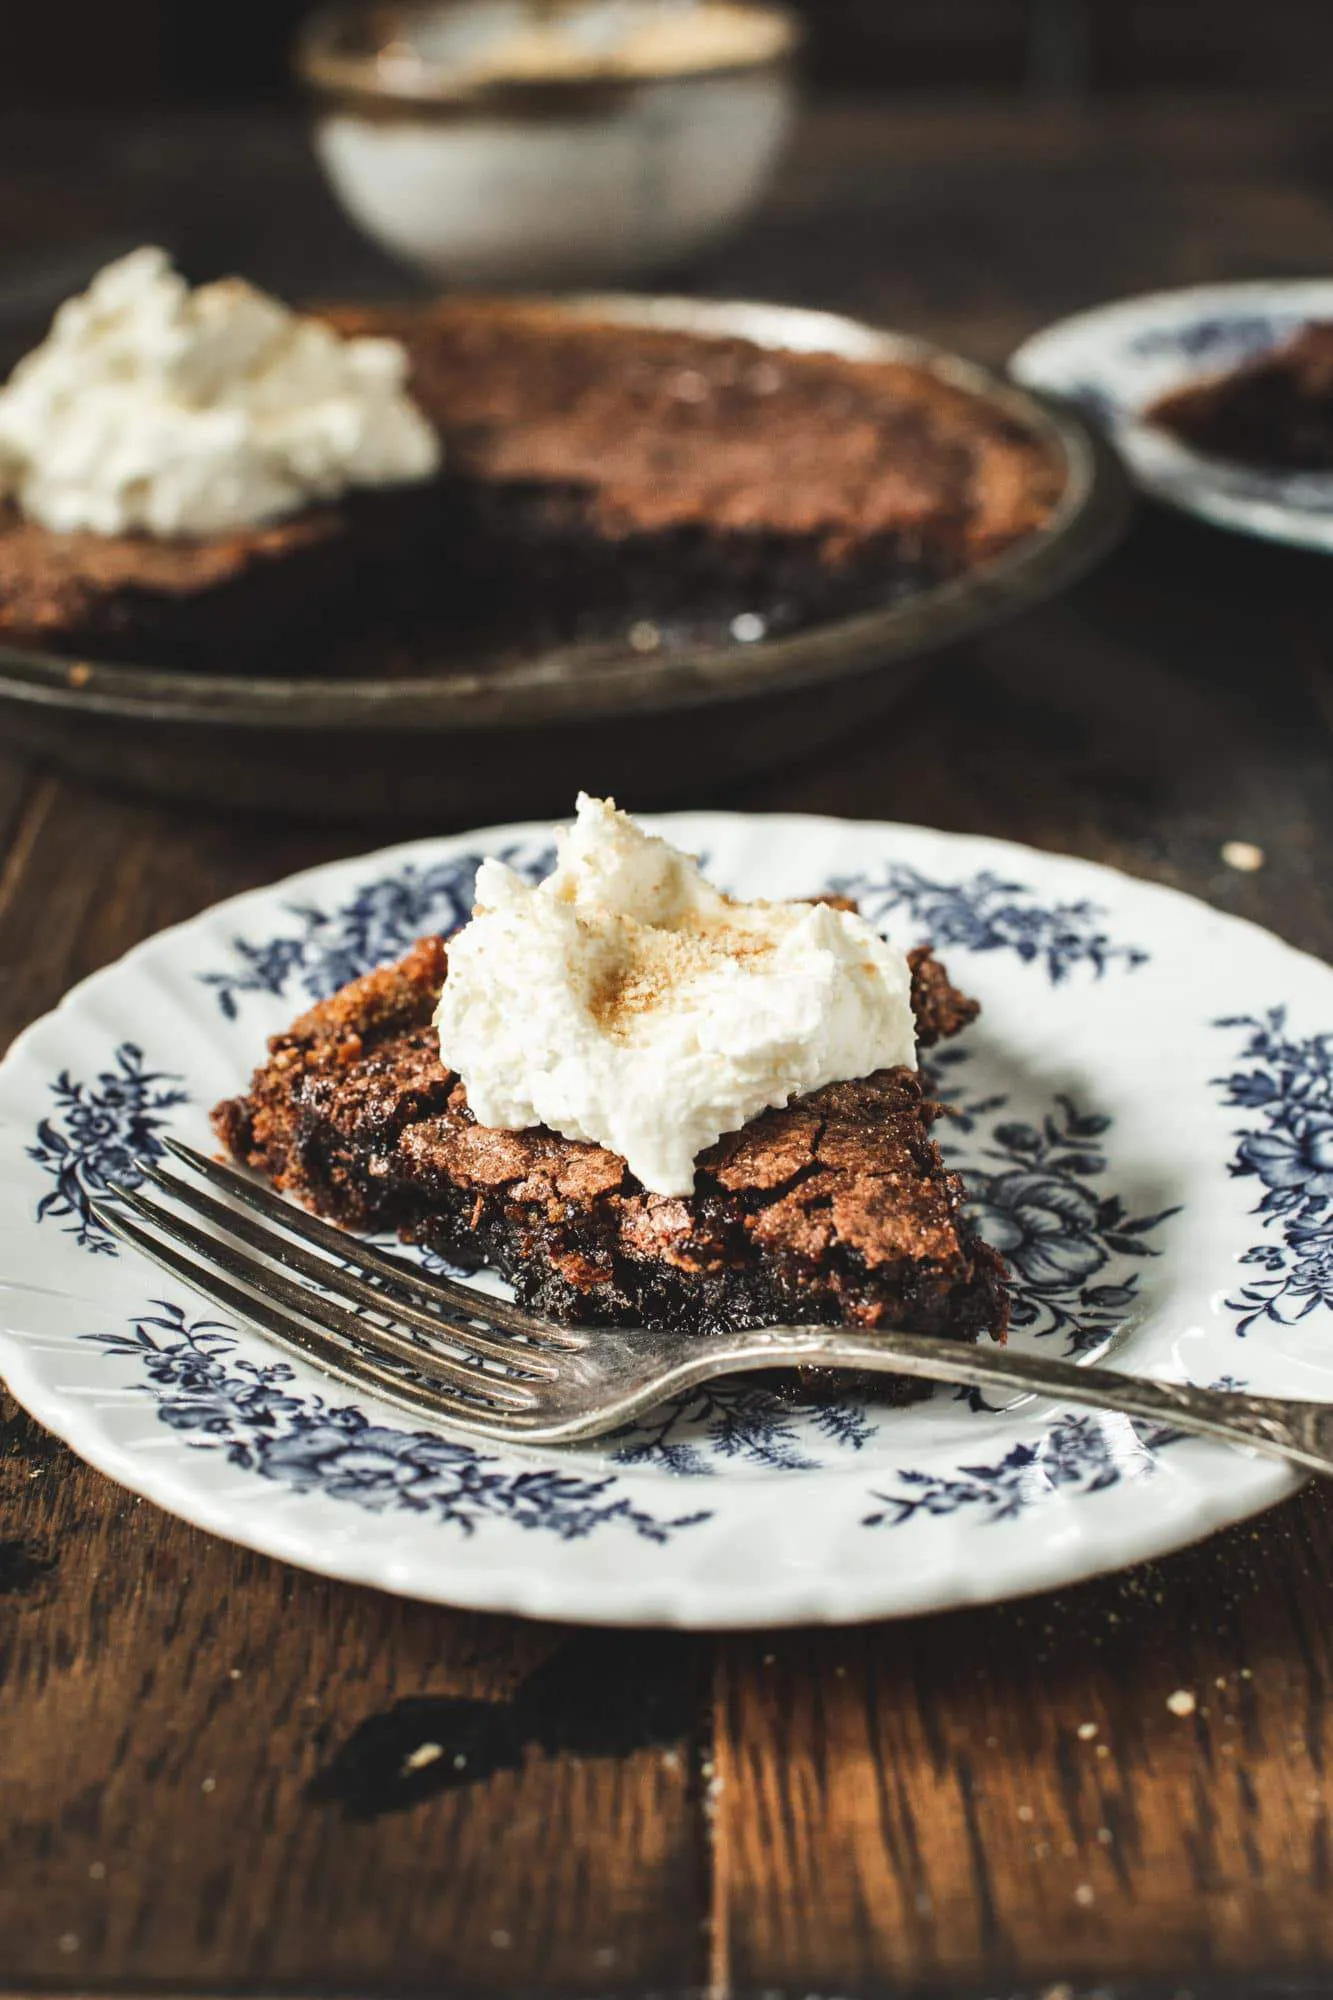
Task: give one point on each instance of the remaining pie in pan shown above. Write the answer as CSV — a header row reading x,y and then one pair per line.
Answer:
x,y
206,480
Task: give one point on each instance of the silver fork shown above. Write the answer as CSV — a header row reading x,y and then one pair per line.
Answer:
x,y
436,1348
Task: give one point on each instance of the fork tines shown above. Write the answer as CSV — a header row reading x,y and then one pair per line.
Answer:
x,y
375,1320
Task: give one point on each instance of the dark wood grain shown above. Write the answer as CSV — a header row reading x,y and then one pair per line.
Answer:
x,y
188,1801
205,1780
1008,1789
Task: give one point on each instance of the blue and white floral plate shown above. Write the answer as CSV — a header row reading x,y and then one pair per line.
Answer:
x,y
1145,1116
1115,361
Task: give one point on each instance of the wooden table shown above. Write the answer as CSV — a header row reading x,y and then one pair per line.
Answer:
x,y
199,1747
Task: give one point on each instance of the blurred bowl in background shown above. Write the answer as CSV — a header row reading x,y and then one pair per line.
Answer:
x,y
509,144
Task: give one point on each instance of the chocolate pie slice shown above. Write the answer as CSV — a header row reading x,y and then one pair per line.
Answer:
x,y
1274,410
837,1208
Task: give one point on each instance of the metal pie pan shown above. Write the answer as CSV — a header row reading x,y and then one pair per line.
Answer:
x,y
663,726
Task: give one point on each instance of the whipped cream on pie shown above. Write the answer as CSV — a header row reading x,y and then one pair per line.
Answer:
x,y
151,408
626,1002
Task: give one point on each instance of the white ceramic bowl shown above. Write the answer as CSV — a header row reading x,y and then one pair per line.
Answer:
x,y
586,174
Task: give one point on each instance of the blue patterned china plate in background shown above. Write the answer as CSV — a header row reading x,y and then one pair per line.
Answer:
x,y
1144,1117
1116,360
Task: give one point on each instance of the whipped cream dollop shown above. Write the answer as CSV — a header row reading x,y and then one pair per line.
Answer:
x,y
151,408
626,1001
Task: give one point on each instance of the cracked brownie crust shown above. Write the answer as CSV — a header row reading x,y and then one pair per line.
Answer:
x,y
656,431
628,473
837,1208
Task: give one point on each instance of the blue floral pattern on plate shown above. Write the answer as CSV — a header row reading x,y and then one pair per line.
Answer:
x,y
250,1411
1080,1453
384,917
743,1420
98,1133
1290,1152
989,913
1057,1231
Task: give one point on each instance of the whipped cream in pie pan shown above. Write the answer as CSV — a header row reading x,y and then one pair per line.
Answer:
x,y
175,414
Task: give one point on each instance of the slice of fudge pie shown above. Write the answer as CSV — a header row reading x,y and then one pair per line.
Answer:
x,y
1275,409
640,1102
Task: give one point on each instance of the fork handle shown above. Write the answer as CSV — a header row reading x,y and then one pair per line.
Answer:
x,y
1300,1432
